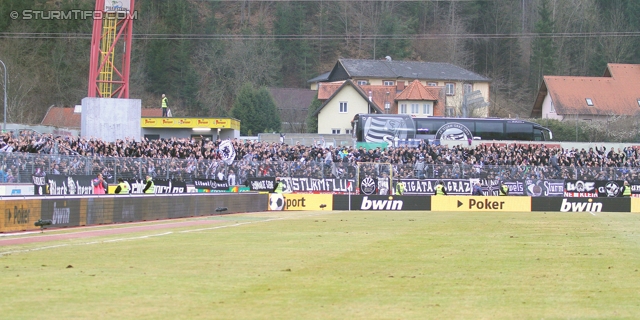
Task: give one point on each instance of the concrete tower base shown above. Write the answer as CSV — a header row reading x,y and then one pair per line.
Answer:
x,y
110,119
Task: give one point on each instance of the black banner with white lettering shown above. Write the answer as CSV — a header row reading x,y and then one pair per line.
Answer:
x,y
267,184
590,189
544,188
39,184
427,186
69,185
211,184
329,185
162,186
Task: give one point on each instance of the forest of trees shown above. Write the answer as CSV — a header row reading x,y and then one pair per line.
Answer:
x,y
201,53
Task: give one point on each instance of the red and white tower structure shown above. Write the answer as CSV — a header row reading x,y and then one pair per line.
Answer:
x,y
110,59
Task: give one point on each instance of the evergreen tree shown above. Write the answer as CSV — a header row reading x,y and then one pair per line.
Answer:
x,y
542,58
291,21
256,111
244,110
312,121
270,118
396,48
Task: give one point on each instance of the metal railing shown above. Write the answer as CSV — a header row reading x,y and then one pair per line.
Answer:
x,y
19,167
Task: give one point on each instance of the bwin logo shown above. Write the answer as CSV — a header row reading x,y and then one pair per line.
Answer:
x,y
381,204
589,206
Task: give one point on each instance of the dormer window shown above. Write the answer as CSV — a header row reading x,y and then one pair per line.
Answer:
x,y
638,102
362,82
589,102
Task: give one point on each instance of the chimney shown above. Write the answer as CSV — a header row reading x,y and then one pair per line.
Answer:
x,y
400,86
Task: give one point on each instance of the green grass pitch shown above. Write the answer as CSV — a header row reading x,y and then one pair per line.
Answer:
x,y
337,265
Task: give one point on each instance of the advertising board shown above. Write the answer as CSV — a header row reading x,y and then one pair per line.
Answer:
x,y
381,203
581,204
300,202
480,203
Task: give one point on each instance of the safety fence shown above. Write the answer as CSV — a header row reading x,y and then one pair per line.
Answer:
x,y
20,167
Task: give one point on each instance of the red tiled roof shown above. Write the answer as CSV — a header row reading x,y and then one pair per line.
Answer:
x,y
151,112
61,117
419,92
379,96
616,93
66,118
327,89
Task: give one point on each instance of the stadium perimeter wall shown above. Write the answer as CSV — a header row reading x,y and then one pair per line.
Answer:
x,y
297,202
20,214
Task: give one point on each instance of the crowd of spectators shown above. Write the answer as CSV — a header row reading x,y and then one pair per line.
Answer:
x,y
185,159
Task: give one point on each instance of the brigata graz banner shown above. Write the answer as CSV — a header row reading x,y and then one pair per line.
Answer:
x,y
593,188
427,186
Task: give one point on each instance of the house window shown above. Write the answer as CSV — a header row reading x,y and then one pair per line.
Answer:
x,y
414,108
362,82
553,109
348,131
589,102
450,88
403,108
450,112
388,83
343,107
335,131
427,109
432,84
468,87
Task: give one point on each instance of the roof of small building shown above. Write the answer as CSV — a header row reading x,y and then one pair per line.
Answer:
x,y
615,93
65,117
385,69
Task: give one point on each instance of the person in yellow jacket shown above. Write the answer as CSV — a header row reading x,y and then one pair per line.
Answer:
x,y
279,186
504,189
123,187
149,187
626,190
399,188
164,106
440,189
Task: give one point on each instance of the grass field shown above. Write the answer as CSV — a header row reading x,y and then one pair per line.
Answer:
x,y
337,265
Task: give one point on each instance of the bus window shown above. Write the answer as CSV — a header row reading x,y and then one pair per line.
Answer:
x,y
467,123
429,126
490,130
519,131
538,135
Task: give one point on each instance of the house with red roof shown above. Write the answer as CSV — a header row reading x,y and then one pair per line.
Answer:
x,y
616,93
396,87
